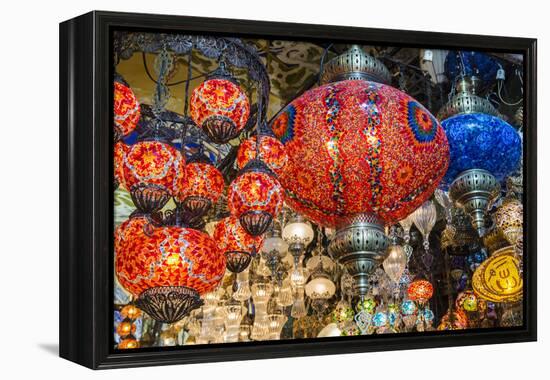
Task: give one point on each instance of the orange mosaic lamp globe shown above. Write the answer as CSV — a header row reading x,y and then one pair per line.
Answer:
x,y
238,246
255,197
167,268
200,187
152,171
272,152
126,108
221,108
420,291
357,147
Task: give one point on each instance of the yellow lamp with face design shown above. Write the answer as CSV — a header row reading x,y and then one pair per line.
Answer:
x,y
498,278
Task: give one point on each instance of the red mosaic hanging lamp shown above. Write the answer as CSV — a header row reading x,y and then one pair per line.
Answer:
x,y
237,245
420,291
200,187
361,154
126,108
167,268
255,197
152,172
219,106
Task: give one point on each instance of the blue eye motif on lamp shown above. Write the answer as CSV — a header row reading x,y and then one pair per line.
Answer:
x,y
480,141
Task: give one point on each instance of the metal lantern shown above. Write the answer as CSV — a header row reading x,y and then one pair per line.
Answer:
x,y
474,190
220,106
361,154
255,197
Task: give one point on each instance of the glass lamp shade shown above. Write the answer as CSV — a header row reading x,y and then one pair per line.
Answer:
x,y
329,330
299,276
480,141
275,325
275,244
298,309
320,288
128,343
153,162
221,108
120,151
272,152
356,147
261,292
408,307
126,109
200,180
509,219
420,291
285,298
424,219
395,263
325,262
255,193
470,63
297,230
166,256
243,292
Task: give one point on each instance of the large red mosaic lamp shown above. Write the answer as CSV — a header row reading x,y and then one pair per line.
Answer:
x,y
361,154
167,268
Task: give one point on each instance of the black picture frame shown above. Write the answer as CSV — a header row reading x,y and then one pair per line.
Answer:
x,y
86,200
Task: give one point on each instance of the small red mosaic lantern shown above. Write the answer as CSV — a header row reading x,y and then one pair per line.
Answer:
x,y
255,197
420,291
236,244
272,152
168,268
221,108
201,186
120,151
152,171
126,109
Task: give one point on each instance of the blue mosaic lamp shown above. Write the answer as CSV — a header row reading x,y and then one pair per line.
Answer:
x,y
484,150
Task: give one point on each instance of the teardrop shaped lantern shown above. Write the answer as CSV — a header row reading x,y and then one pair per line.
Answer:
x,y
255,197
126,108
424,219
395,263
200,187
361,154
166,268
236,244
219,106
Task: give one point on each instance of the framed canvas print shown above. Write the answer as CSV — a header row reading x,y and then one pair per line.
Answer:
x,y
238,190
